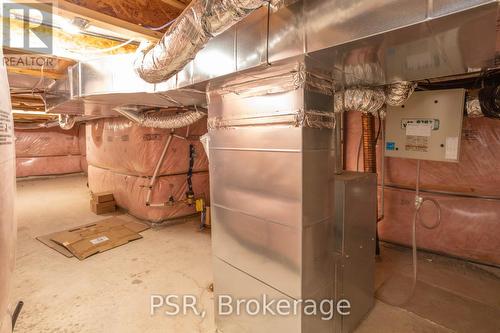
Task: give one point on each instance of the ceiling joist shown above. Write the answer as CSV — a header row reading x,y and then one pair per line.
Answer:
x,y
176,3
116,25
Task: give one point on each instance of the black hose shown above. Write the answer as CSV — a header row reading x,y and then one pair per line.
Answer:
x,y
489,98
16,313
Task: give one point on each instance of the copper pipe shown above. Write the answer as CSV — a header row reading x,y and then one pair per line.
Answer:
x,y
369,152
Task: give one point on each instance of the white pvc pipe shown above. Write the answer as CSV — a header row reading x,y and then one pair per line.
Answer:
x,y
157,169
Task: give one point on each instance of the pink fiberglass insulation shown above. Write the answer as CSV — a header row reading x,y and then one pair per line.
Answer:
x,y
8,223
122,157
477,172
50,151
130,192
469,227
48,165
122,146
84,165
47,142
467,223
82,140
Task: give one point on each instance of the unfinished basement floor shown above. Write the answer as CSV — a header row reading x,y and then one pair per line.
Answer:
x,y
110,292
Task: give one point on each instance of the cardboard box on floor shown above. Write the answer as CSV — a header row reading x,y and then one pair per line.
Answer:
x,y
90,239
102,203
101,197
102,208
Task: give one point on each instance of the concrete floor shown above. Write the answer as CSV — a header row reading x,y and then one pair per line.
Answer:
x,y
110,292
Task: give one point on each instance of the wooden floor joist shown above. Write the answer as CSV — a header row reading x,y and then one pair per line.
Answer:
x,y
116,25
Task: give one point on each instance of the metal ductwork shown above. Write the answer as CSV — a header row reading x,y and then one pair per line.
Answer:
x,y
35,126
364,99
367,44
398,93
66,122
197,24
273,146
159,119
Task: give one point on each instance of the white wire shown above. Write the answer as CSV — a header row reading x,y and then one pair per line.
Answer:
x,y
419,201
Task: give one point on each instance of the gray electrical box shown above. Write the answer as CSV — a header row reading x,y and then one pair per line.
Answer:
x,y
427,127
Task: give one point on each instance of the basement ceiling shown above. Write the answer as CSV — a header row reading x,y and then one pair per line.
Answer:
x,y
114,27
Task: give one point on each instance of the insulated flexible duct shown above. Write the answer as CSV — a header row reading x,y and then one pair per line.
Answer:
x,y
35,126
398,93
160,120
197,24
359,99
371,99
66,122
489,98
473,108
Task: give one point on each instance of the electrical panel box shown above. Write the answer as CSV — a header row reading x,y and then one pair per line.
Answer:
x,y
427,127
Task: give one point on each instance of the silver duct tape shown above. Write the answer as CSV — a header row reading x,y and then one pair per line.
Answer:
x,y
227,123
363,74
315,119
35,126
57,123
66,122
320,83
161,120
279,80
222,14
300,118
367,100
473,107
398,93
205,141
197,24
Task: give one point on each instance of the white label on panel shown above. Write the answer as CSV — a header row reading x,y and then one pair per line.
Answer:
x,y
451,148
419,129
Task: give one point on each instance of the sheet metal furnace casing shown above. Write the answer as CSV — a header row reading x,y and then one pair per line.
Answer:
x,y
273,189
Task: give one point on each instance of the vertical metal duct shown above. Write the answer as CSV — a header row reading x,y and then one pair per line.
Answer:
x,y
198,23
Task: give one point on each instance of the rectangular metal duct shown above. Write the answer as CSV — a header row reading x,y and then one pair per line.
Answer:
x,y
364,42
272,182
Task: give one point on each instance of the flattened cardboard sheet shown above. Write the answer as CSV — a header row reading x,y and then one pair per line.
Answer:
x,y
87,240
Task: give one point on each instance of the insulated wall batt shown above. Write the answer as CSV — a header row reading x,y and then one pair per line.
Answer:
x,y
130,192
47,142
8,226
468,224
82,142
48,151
122,157
48,165
469,227
120,145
